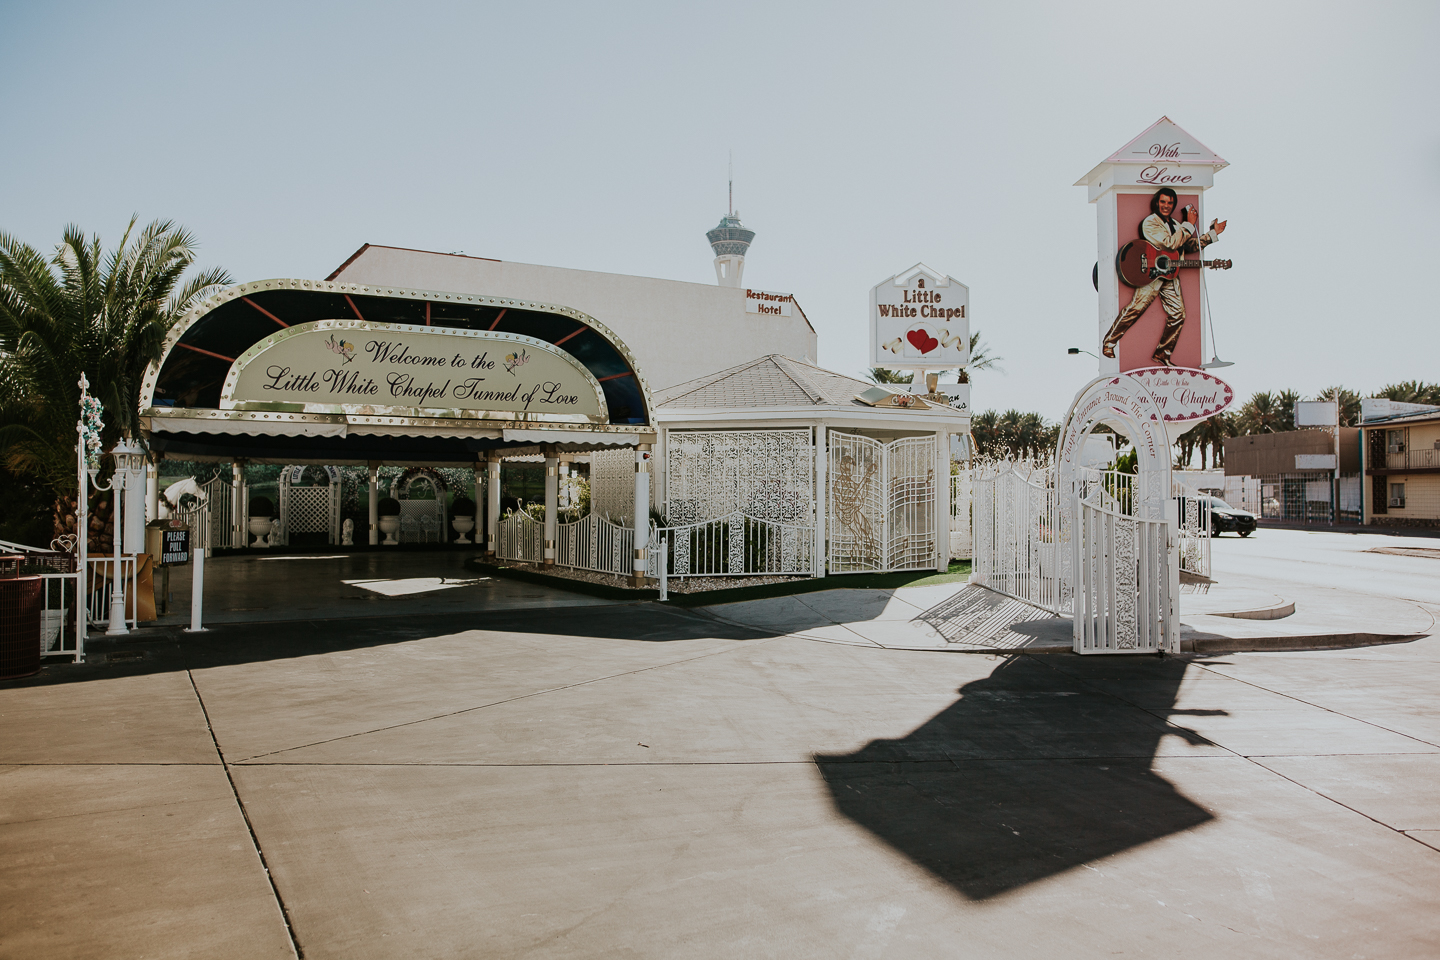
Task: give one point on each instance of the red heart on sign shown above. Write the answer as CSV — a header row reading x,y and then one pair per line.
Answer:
x,y
922,341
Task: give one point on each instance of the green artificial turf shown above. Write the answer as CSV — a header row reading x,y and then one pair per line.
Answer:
x,y
958,572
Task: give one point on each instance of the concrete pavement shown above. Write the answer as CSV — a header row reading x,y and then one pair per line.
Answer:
x,y
636,780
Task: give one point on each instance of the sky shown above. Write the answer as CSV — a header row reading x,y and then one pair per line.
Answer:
x,y
866,137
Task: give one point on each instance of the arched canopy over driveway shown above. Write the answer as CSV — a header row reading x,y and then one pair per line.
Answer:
x,y
306,371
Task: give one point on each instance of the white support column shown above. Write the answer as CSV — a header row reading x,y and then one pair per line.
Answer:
x,y
492,505
822,500
479,471
552,504
942,502
152,491
239,512
374,505
642,513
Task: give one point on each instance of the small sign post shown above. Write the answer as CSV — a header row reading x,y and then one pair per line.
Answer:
x,y
174,546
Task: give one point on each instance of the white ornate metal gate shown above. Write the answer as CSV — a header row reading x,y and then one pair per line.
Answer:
x,y
219,529
520,538
1121,605
882,511
1021,535
594,543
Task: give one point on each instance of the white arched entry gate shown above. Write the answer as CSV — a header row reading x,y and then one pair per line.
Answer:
x,y
309,509
1124,571
421,521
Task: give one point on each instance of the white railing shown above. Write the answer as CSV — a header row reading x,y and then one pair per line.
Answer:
x,y
961,543
59,636
1412,460
1125,586
199,521
594,543
736,545
101,585
1194,531
1021,537
520,538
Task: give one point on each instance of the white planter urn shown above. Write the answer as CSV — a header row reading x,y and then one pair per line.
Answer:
x,y
390,526
260,528
463,526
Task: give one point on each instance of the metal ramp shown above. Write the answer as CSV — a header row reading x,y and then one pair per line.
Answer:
x,y
978,617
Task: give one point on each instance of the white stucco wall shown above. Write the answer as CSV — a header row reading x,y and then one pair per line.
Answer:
x,y
677,330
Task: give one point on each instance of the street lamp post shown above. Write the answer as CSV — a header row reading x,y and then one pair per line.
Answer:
x,y
129,462
129,471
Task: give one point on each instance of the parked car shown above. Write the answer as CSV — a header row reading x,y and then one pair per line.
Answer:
x,y
1224,517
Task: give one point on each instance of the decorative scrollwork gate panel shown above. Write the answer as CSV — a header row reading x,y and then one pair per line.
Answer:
x,y
882,510
766,474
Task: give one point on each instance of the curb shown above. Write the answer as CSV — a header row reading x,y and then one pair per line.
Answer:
x,y
1331,641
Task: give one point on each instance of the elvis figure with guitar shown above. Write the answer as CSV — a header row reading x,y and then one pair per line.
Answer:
x,y
1156,272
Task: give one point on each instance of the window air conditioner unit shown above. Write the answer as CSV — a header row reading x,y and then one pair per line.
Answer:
x,y
1398,502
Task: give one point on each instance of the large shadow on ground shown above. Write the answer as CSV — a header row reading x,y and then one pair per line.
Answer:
x,y
166,649
1032,772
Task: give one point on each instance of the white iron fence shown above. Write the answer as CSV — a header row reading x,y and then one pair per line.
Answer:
x,y
1021,537
961,541
735,545
594,543
101,585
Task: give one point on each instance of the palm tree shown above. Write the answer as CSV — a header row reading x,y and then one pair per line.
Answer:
x,y
1348,402
886,376
980,359
82,310
1411,391
1210,436
1260,414
984,429
1285,402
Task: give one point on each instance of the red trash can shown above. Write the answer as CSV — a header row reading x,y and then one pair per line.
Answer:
x,y
20,603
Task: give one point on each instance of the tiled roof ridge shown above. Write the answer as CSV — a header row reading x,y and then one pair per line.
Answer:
x,y
700,383
798,377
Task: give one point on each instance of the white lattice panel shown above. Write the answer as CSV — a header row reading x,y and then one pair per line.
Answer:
x,y
309,510
612,483
767,474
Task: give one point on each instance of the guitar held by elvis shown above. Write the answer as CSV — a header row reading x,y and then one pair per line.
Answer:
x,y
1138,263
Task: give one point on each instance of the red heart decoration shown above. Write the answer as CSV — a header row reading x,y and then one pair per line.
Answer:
x,y
922,341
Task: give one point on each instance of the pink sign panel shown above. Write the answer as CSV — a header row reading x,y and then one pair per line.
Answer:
x,y
1138,344
1183,394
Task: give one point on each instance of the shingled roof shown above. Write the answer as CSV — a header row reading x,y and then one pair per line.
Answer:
x,y
771,381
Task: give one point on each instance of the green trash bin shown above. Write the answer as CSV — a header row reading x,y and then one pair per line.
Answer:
x,y
20,603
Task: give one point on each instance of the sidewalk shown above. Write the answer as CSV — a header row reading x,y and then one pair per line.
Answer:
x,y
1287,590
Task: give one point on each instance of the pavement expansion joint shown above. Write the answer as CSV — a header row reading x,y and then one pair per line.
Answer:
x,y
249,826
